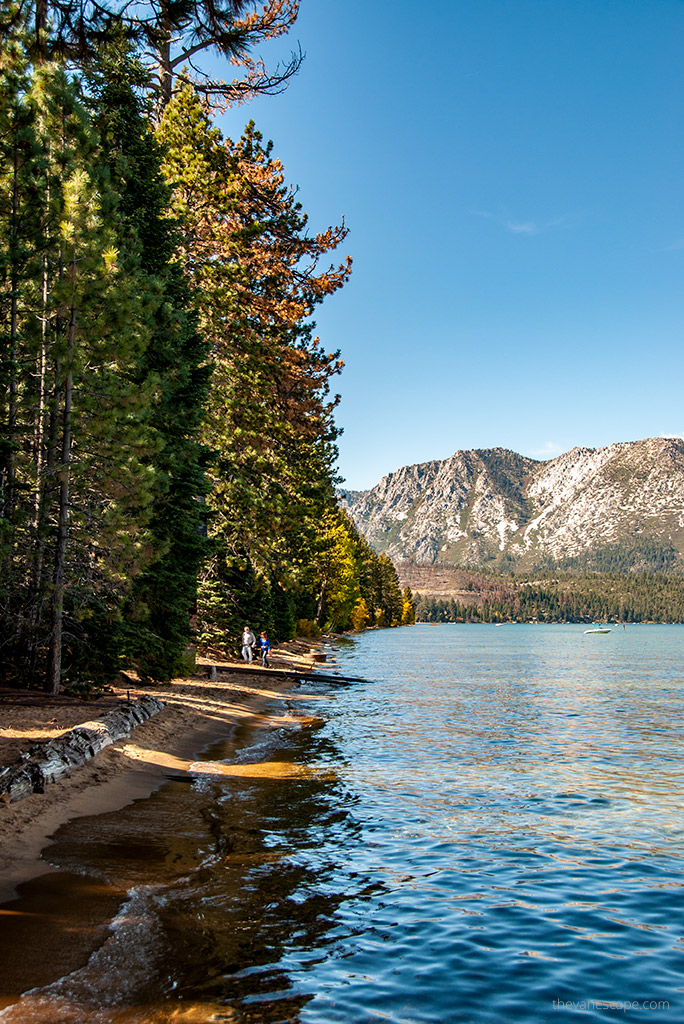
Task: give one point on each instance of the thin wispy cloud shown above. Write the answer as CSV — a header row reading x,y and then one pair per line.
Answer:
x,y
520,227
523,228
549,450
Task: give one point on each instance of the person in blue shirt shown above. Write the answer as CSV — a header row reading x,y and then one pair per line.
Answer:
x,y
265,644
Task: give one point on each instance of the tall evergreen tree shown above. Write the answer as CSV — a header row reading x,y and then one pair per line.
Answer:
x,y
103,379
164,594
270,417
96,486
20,221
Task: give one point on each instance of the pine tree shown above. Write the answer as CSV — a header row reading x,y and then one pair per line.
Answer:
x,y
85,417
20,228
164,594
270,417
98,485
170,34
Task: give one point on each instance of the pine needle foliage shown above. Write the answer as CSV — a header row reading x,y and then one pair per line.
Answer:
x,y
171,35
163,596
102,386
167,432
270,415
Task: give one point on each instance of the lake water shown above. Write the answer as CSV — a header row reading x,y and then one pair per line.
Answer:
x,y
489,829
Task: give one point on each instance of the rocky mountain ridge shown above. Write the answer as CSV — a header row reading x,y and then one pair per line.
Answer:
x,y
619,507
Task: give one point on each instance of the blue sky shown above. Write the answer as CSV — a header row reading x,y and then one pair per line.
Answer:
x,y
512,175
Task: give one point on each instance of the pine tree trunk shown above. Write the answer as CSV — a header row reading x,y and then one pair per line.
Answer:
x,y
45,450
54,673
41,20
10,493
164,69
39,434
321,602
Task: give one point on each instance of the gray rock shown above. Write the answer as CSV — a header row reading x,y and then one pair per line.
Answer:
x,y
494,508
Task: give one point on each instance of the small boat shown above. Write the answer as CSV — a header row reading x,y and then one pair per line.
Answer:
x,y
598,629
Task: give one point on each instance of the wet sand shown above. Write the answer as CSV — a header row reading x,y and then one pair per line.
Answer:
x,y
197,712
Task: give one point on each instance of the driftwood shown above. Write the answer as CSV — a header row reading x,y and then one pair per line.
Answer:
x,y
297,674
55,759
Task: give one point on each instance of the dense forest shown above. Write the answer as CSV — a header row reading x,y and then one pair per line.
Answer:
x,y
168,443
563,597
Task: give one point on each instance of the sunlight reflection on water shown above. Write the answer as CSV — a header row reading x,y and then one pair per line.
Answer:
x,y
488,830
531,778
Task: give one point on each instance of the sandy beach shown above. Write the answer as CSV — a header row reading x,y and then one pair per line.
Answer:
x,y
197,711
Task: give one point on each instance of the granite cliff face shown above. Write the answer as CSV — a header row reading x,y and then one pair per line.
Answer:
x,y
623,503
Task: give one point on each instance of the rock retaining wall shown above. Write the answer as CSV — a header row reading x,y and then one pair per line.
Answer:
x,y
54,760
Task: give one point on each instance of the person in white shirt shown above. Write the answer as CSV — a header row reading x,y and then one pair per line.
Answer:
x,y
248,641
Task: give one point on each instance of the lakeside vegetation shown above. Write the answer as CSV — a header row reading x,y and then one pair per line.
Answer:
x,y
562,597
168,442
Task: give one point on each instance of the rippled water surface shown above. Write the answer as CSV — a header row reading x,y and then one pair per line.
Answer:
x,y
488,829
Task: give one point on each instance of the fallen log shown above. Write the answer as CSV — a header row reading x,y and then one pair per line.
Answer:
x,y
48,762
216,671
